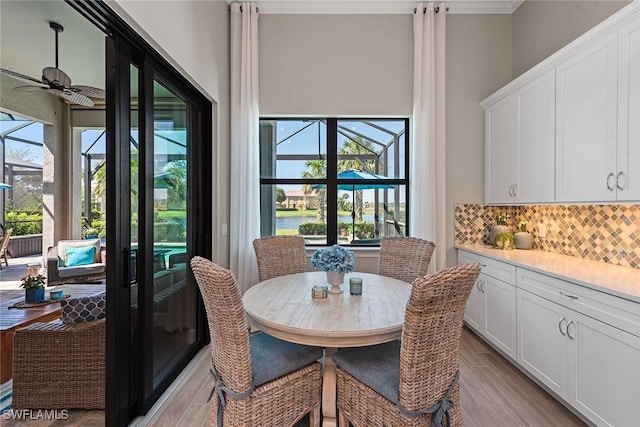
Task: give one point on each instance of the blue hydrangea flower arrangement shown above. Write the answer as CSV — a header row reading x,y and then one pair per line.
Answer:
x,y
334,258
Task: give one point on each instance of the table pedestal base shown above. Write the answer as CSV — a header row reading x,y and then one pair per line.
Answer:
x,y
329,379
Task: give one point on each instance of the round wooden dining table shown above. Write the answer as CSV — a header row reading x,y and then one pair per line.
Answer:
x,y
284,308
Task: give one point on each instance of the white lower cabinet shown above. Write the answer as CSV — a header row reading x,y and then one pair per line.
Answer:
x,y
491,312
604,367
491,307
542,344
593,366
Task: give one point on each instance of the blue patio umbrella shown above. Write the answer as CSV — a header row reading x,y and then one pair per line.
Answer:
x,y
369,184
4,186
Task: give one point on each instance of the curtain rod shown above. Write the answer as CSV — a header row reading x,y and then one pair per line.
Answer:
x,y
258,9
435,9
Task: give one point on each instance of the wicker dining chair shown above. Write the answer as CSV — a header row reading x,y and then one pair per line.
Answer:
x,y
259,380
405,258
279,255
411,381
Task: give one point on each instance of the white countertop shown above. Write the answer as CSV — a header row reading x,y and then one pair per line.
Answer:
x,y
620,281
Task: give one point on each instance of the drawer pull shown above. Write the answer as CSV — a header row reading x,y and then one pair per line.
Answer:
x,y
562,319
568,295
568,334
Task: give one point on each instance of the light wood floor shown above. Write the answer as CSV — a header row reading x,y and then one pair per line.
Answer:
x,y
494,393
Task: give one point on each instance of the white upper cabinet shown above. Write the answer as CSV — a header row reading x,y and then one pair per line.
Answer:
x,y
500,151
536,141
586,122
568,130
519,144
628,160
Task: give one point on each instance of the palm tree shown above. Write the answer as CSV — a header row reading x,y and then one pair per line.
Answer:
x,y
316,169
357,145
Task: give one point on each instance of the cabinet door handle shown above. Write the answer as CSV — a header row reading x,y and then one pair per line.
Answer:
x,y
562,319
568,295
568,334
484,287
515,190
609,177
478,285
620,175
510,188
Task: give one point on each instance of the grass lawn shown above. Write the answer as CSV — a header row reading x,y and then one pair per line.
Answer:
x,y
172,214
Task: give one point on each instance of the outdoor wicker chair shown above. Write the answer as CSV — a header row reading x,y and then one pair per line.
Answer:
x,y
4,247
279,255
59,366
409,382
263,381
405,258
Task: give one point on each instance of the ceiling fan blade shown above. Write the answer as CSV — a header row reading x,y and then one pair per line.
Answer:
x,y
55,76
30,88
90,91
74,98
19,75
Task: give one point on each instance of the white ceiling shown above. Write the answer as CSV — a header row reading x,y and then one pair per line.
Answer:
x,y
27,44
381,6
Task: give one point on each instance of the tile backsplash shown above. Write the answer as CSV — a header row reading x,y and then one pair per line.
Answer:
x,y
605,233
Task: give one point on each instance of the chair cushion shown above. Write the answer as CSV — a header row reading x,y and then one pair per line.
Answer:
x,y
82,310
378,367
81,270
272,358
80,256
64,244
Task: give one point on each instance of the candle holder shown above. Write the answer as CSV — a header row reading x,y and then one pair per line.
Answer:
x,y
355,286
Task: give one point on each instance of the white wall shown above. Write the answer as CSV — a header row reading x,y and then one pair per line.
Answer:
x,y
540,28
194,37
336,65
479,61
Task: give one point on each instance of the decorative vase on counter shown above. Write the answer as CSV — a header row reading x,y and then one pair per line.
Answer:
x,y
524,240
495,230
335,279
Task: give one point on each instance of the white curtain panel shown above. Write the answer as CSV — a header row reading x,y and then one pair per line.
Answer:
x,y
427,150
244,223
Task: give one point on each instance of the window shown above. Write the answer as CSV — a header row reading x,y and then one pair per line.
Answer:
x,y
334,180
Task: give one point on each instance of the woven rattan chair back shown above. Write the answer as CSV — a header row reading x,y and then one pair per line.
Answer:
x,y
430,346
279,255
228,325
405,258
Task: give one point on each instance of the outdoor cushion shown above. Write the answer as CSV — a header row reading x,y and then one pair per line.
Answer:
x,y
81,270
80,256
376,366
82,310
272,358
64,244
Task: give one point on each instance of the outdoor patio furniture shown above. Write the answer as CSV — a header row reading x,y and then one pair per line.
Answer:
x,y
3,247
59,366
279,255
405,258
61,271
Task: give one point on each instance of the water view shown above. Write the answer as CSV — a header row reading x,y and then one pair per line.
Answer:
x,y
293,222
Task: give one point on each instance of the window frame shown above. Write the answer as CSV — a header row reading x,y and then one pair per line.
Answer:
x,y
331,180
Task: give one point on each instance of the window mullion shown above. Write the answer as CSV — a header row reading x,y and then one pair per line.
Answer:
x,y
332,184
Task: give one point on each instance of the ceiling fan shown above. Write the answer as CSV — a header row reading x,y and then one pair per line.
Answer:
x,y
57,82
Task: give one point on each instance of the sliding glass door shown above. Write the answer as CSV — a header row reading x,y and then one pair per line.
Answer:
x,y
159,186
